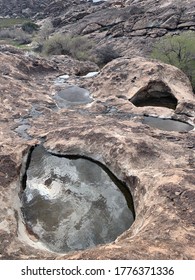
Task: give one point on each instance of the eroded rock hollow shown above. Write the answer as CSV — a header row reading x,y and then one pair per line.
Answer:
x,y
73,204
156,93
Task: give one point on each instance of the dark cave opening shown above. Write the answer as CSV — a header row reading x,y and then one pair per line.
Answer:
x,y
157,94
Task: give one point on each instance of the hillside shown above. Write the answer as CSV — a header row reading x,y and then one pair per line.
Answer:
x,y
29,8
131,26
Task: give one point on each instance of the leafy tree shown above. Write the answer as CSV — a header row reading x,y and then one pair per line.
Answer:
x,y
178,50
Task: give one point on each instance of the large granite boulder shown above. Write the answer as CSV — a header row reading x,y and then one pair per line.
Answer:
x,y
143,82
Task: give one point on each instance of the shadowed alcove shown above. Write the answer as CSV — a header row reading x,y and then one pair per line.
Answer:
x,y
156,93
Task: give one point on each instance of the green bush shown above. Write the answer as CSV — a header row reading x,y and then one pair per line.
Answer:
x,y
78,47
178,50
30,27
56,45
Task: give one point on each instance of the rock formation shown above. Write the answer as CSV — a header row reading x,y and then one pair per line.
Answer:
x,y
131,26
157,166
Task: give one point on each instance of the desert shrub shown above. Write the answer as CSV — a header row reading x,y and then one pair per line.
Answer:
x,y
6,33
46,30
78,47
105,54
57,45
17,35
30,27
22,38
178,50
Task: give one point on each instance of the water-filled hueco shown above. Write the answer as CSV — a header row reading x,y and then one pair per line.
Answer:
x,y
73,204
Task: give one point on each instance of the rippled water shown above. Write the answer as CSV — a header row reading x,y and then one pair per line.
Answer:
x,y
72,204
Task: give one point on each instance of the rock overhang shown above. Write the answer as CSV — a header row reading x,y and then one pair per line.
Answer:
x,y
157,94
129,76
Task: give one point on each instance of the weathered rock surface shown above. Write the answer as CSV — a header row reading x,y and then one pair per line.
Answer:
x,y
157,166
131,26
29,8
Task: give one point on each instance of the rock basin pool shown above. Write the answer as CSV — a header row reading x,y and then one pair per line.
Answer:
x,y
167,124
73,204
72,95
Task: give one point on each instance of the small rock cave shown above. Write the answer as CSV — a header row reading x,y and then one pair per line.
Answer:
x,y
156,94
73,202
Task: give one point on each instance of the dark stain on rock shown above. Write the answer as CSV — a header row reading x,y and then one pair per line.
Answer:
x,y
8,170
132,182
190,238
139,129
192,160
48,182
171,191
189,178
145,150
23,67
94,137
182,199
5,242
